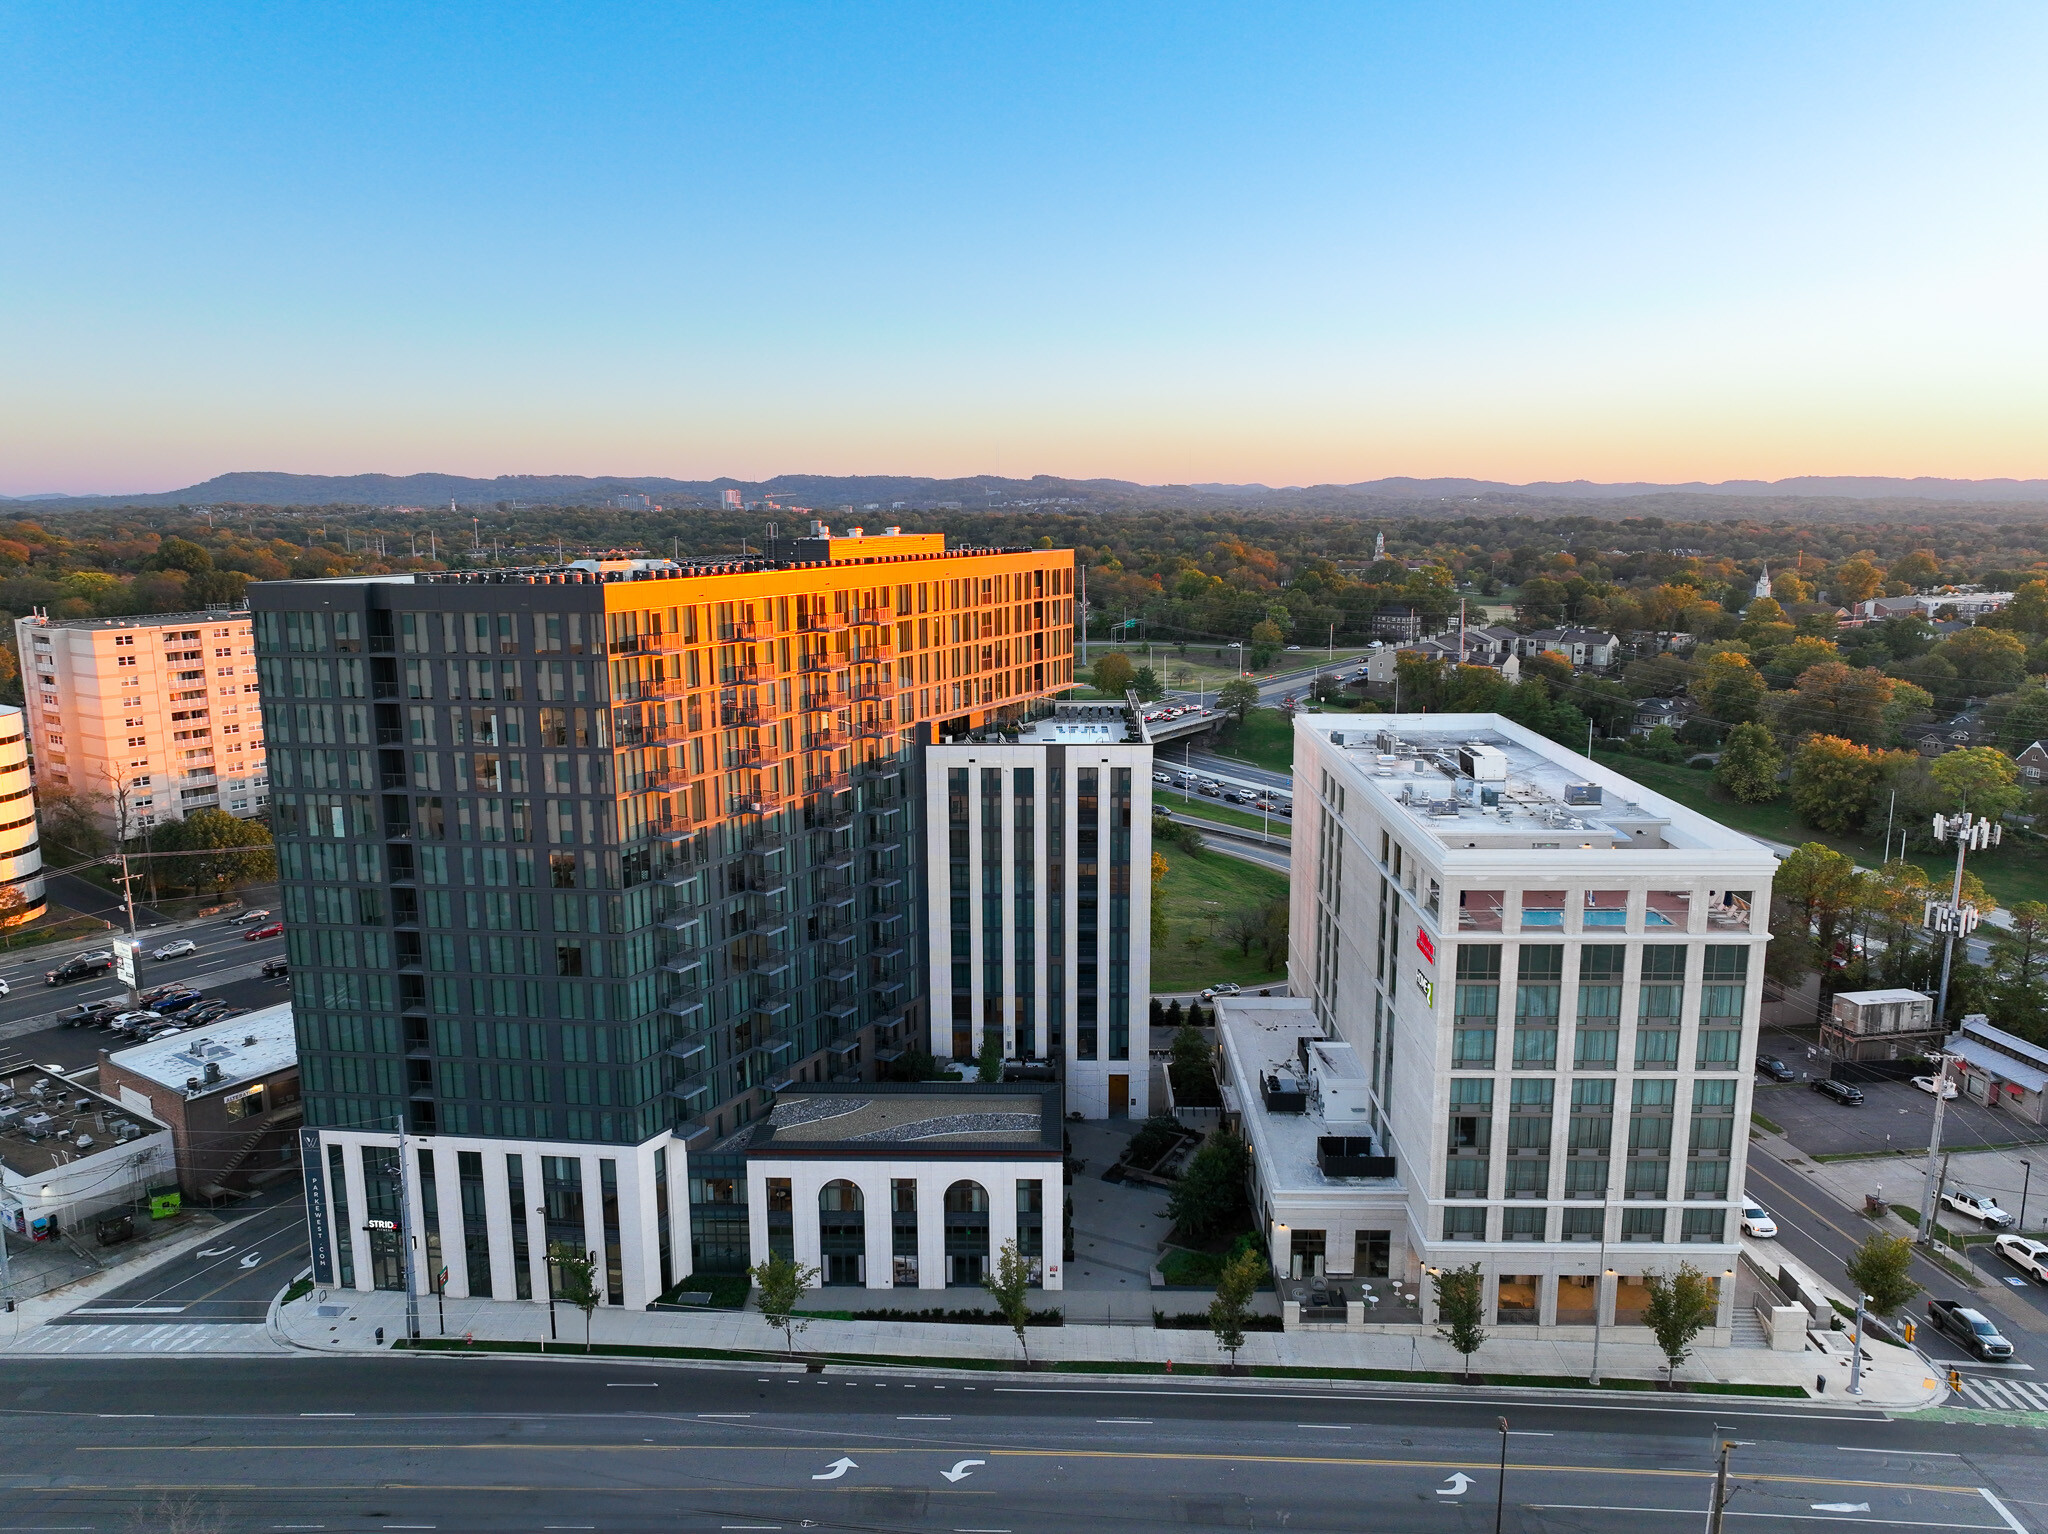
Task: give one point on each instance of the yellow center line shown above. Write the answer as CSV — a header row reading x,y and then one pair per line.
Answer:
x,y
1105,1454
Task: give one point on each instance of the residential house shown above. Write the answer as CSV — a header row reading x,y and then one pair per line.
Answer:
x,y
1586,649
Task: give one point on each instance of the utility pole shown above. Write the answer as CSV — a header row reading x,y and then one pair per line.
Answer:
x,y
1721,1483
405,1241
1937,1172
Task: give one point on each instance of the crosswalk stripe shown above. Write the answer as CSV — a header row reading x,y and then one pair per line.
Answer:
x,y
2008,1395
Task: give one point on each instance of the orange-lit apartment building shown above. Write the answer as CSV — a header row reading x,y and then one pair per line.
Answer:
x,y
668,817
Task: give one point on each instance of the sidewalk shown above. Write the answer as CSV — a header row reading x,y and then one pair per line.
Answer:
x,y
348,1321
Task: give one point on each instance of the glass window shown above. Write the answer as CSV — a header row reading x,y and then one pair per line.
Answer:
x,y
1641,1225
1708,1225
1518,1299
1465,1224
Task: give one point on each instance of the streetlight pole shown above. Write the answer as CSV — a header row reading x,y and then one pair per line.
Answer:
x,y
1856,1349
405,1238
1599,1293
2026,1178
1714,1521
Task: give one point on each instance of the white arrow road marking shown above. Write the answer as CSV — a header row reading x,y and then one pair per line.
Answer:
x,y
1841,1507
837,1468
1457,1486
962,1470
250,1261
214,1251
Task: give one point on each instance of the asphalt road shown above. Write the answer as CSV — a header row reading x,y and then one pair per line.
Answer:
x,y
224,953
229,1279
448,1443
1814,1228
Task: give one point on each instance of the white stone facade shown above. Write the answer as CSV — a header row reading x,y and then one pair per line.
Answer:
x,y
348,1253
1009,942
21,853
1552,979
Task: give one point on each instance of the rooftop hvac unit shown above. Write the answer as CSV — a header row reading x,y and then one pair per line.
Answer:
x,y
10,1118
1487,764
84,1142
37,1126
1582,793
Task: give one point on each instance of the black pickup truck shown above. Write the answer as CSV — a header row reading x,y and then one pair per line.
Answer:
x,y
1970,1328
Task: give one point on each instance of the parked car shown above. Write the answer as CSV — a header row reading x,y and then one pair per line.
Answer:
x,y
1756,1221
1970,1328
1227,988
178,1004
82,966
176,949
254,934
1210,791
1935,1084
1978,1206
1776,1069
247,917
90,1012
276,969
2026,1254
166,992
1162,777
1840,1091
1285,807
135,1022
3,988
1232,796
199,1017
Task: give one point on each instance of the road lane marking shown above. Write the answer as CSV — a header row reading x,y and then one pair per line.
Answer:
x,y
1325,1427
1325,1399
924,1419
1693,1512
1347,1461
632,1384
1123,1421
129,1310
709,1416
326,1414
1999,1508
1843,1448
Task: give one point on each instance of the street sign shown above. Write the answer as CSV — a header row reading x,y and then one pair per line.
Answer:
x,y
124,960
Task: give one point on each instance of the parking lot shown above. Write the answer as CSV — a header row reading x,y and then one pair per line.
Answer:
x,y
1894,1115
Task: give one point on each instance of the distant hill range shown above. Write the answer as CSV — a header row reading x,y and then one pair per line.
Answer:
x,y
876,495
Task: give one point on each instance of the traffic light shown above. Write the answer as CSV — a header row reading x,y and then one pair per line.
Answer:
x,y
1908,1329
1955,1381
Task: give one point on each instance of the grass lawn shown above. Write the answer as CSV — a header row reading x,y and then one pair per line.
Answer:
x,y
1199,890
1265,739
2010,879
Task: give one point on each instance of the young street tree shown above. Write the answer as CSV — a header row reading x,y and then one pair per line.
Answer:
x,y
1882,1270
1113,673
1010,1286
781,1283
1682,1305
576,1272
1239,697
990,1060
1461,1309
1231,1308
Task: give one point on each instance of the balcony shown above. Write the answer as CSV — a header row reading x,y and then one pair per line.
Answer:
x,y
825,740
740,673
742,757
734,716
760,803
669,780
819,661
746,631
820,622
869,617
646,644
872,691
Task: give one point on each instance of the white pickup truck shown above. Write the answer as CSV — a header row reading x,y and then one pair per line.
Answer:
x,y
1978,1207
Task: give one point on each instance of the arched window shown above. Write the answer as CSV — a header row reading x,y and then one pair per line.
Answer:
x,y
967,1198
839,1197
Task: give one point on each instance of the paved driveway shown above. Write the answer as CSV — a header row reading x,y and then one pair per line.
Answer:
x,y
1895,1115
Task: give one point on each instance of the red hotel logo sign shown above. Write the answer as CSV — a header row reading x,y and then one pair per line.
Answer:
x,y
1422,942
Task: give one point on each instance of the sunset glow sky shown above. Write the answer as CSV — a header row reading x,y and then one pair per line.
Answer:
x,y
1180,242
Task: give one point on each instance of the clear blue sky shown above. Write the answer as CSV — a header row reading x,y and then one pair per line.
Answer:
x,y
1167,242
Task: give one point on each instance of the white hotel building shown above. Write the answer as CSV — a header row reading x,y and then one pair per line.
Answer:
x,y
1523,1017
153,717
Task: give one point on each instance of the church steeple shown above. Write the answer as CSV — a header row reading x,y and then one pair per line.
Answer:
x,y
1763,583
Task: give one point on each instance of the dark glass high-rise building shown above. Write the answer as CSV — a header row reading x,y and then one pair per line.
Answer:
x,y
578,864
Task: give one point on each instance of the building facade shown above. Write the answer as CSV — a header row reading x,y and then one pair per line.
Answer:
x,y
1880,1025
149,718
596,858
1037,872
1549,979
21,845
229,1093
910,1186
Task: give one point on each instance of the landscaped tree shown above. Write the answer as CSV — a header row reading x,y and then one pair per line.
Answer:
x,y
1159,870
1238,697
576,1279
990,1061
1682,1305
1210,1196
1824,890
1855,580
1461,1309
780,1284
1010,1287
1882,1270
1750,762
1836,699
1987,660
217,838
1146,684
1981,779
1834,782
1231,1308
1112,673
